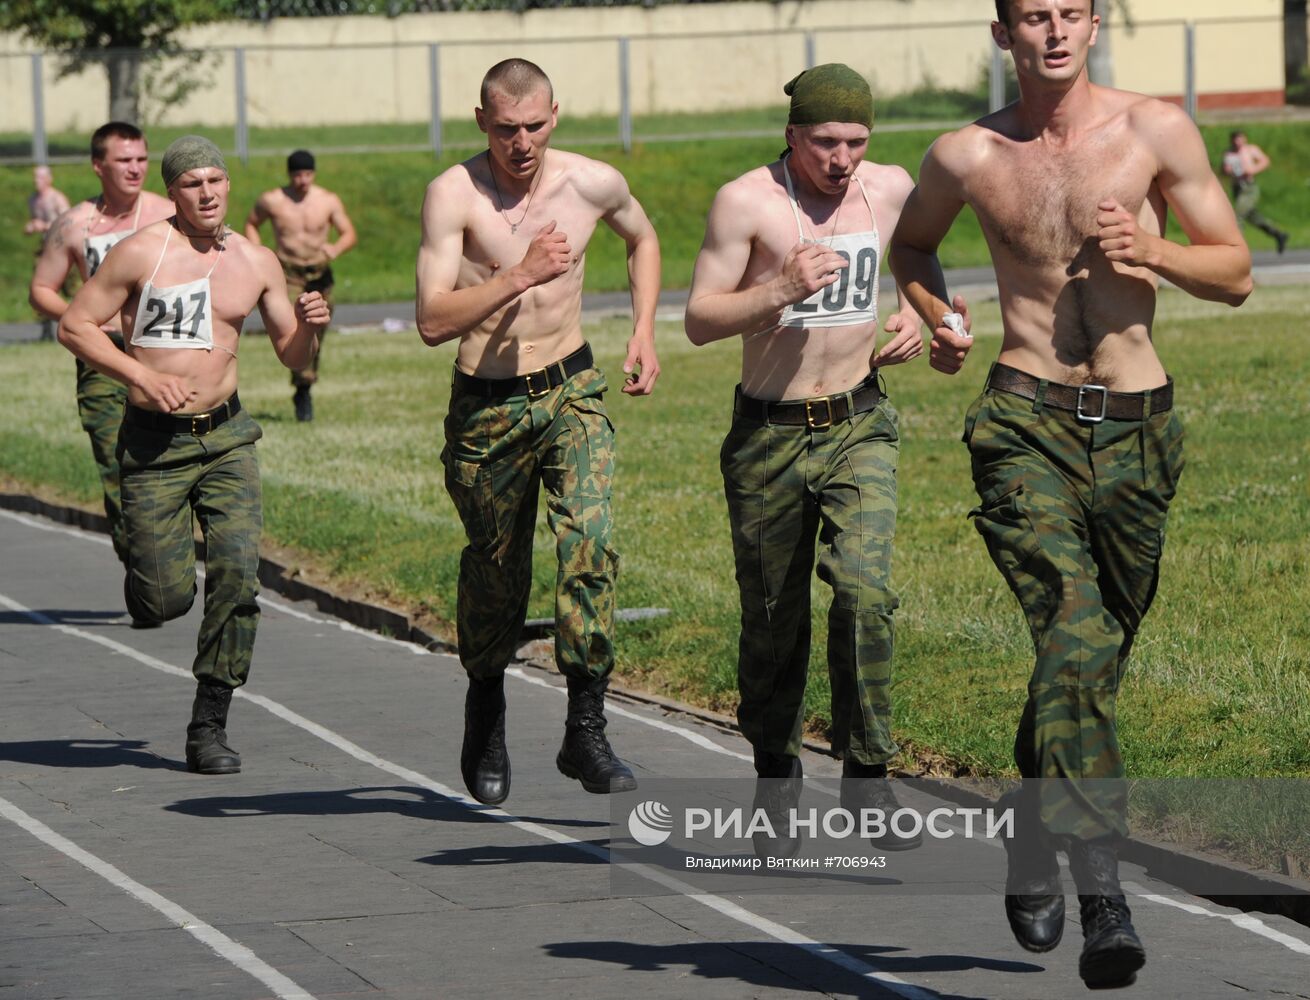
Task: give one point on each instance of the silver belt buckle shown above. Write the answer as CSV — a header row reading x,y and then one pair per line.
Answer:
x,y
1091,418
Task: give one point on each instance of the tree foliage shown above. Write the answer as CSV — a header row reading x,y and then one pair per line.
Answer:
x,y
118,34
107,24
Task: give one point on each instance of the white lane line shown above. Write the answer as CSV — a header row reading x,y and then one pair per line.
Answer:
x,y
218,942
1242,920
1246,922
729,909
58,529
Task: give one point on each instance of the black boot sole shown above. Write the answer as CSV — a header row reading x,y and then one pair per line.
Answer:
x,y
195,768
1112,968
1020,929
595,787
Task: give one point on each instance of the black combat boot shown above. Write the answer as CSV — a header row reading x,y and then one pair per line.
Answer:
x,y
303,404
865,786
207,751
483,759
1112,951
778,785
1034,897
585,753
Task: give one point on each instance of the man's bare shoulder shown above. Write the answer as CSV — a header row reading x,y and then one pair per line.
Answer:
x,y
887,178
746,190
328,197
260,257
457,181
965,149
155,207
597,181
1153,119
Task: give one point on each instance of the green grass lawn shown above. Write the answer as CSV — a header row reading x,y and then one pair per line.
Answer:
x,y
1220,679
674,181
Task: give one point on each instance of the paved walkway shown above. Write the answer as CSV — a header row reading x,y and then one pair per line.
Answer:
x,y
346,861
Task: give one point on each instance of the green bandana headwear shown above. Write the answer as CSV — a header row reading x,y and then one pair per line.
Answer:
x,y
832,92
191,152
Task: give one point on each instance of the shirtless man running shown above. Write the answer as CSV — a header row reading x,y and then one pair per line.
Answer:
x,y
303,216
79,239
790,265
1076,447
184,286
45,204
500,270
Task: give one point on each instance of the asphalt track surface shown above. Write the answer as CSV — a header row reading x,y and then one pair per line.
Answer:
x,y
346,860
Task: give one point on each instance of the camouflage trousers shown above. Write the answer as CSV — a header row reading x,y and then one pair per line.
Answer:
x,y
1073,514
499,452
1246,202
309,278
787,486
169,479
100,401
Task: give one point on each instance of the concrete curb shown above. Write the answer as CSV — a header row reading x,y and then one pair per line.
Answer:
x,y
1249,889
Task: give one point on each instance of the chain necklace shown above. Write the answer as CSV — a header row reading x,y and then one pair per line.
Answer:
x,y
532,193
219,235
100,214
836,219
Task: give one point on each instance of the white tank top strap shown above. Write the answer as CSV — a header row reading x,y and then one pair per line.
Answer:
x,y
218,255
163,250
869,205
791,199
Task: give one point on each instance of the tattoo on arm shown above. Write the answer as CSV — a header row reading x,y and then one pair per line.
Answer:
x,y
56,237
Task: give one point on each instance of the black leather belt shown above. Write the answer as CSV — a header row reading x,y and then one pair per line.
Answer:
x,y
1090,403
197,424
532,384
816,413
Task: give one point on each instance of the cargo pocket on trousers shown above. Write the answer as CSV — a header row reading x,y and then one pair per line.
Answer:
x,y
469,486
594,454
1015,548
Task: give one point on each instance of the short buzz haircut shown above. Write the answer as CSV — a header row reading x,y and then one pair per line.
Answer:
x,y
515,78
1003,11
112,130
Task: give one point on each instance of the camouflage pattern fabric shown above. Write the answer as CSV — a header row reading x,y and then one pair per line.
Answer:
x,y
1073,514
785,486
169,479
1246,202
309,278
498,453
100,402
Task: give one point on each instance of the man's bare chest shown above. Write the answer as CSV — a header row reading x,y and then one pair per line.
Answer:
x,y
303,218
501,238
1041,205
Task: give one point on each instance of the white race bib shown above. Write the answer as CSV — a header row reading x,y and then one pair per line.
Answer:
x,y
96,247
180,317
853,297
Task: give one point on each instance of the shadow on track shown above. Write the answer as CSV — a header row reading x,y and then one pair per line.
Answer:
x,y
717,960
87,753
